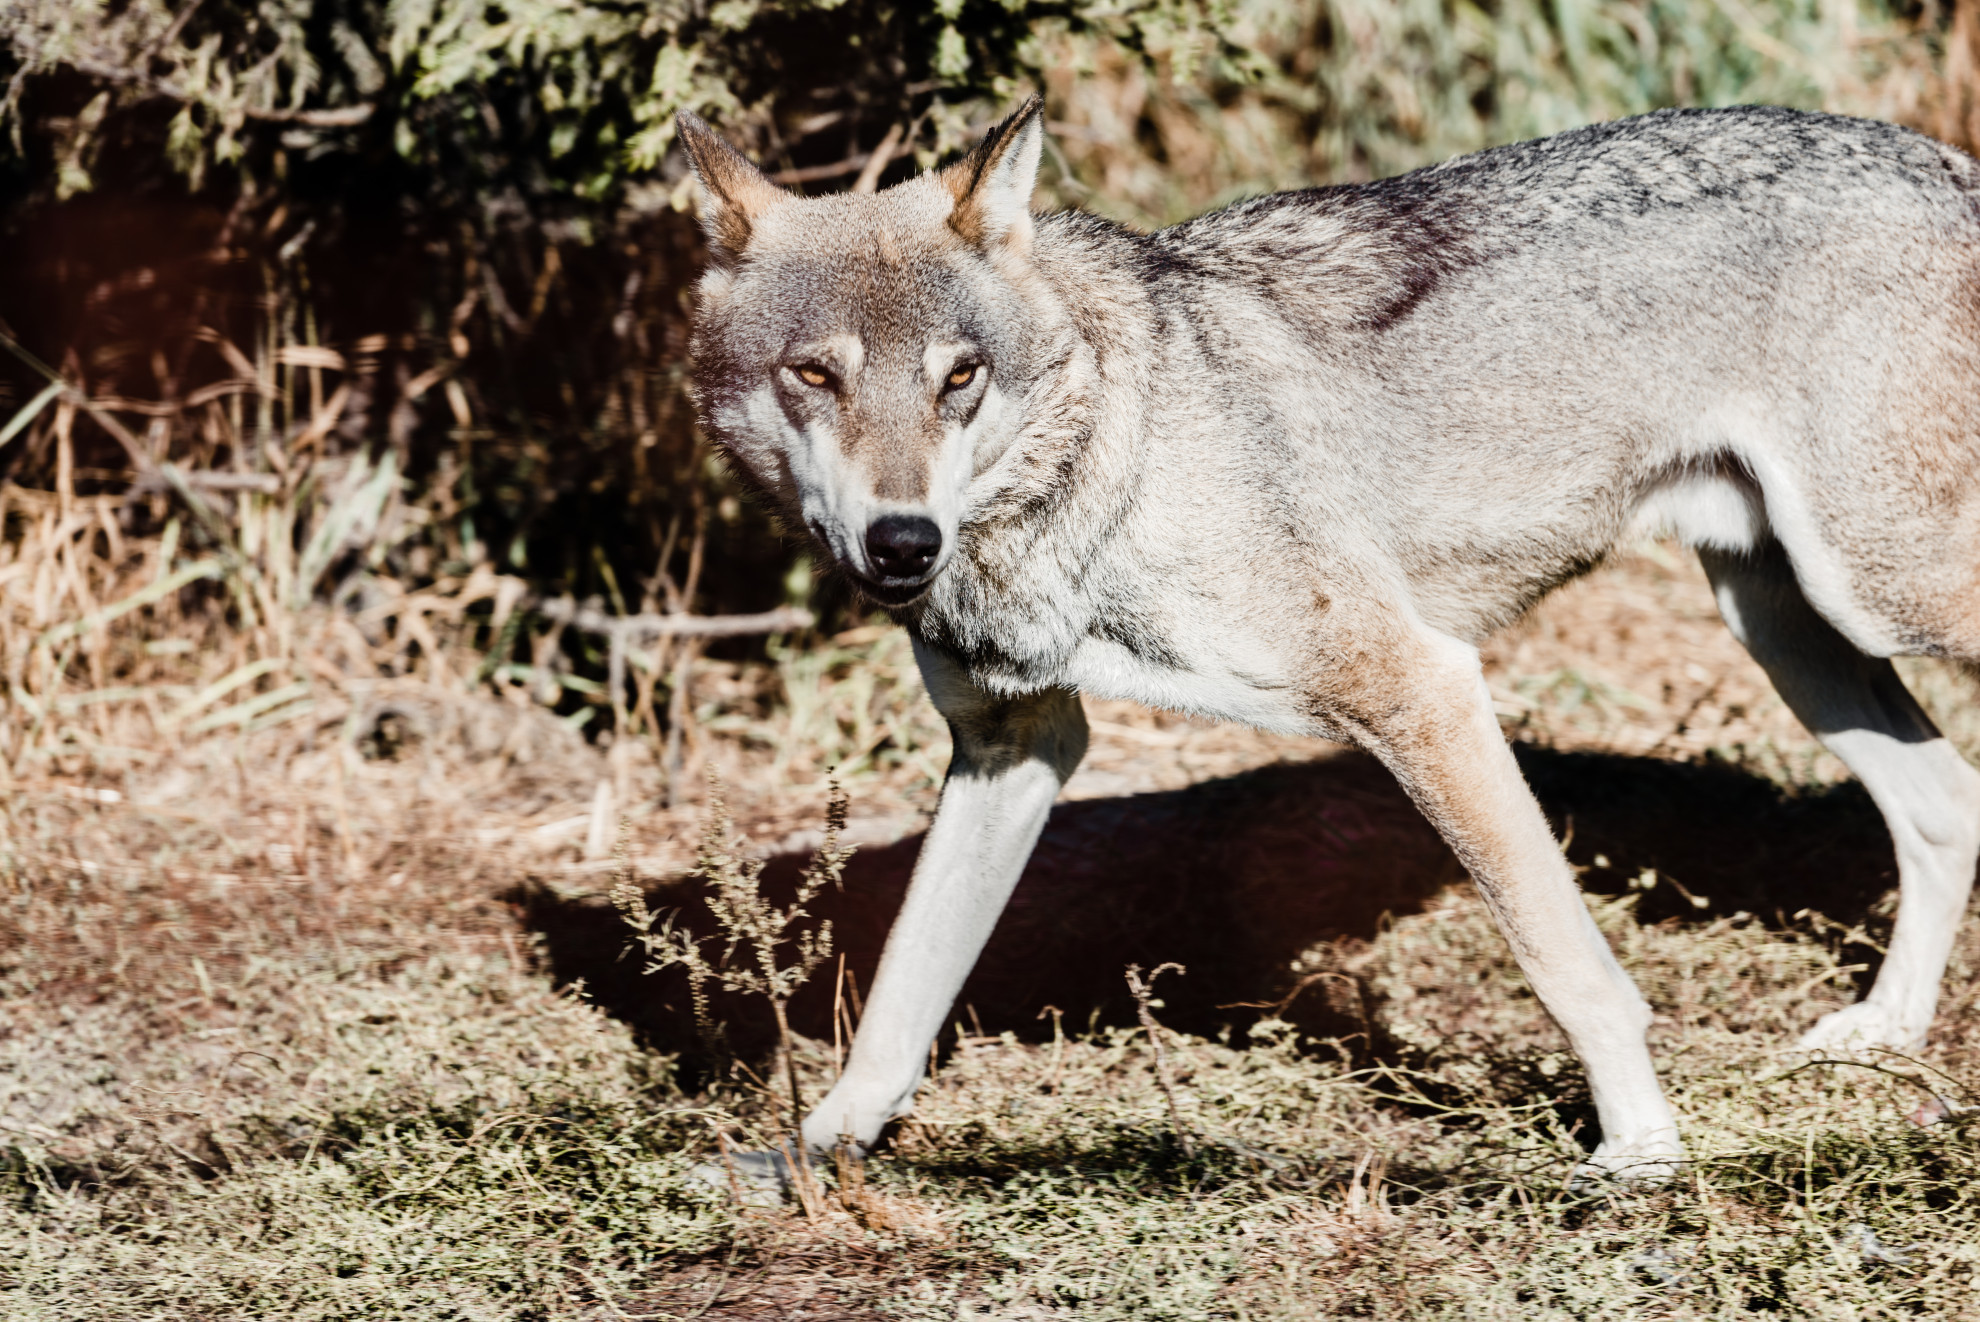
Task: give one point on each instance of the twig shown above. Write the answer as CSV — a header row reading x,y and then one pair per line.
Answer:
x,y
171,32
164,587
208,480
1820,1061
481,1132
729,1164
721,1284
331,118
645,627
883,155
803,1183
1142,992
848,1163
838,1016
1058,1045
806,174
139,459
1281,1005
790,1064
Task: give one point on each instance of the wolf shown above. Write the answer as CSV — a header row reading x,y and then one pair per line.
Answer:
x,y
1288,463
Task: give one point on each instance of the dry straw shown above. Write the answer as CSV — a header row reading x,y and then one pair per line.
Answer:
x,y
281,743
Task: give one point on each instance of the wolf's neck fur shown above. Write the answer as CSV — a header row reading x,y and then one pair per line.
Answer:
x,y
1016,603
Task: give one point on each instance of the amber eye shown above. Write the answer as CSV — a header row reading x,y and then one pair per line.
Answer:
x,y
962,376
814,376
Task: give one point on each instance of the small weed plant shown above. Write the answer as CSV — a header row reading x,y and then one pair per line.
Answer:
x,y
765,948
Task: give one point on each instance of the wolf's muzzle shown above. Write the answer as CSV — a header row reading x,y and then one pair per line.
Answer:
x,y
901,551
902,546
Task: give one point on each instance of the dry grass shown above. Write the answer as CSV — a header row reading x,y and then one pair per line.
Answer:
x,y
327,1018
313,1004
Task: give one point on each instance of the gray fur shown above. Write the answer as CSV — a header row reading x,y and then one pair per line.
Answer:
x,y
1288,463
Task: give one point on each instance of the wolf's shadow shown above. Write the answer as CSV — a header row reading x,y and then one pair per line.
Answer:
x,y
1234,878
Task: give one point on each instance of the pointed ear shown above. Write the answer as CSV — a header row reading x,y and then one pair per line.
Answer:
x,y
993,184
733,191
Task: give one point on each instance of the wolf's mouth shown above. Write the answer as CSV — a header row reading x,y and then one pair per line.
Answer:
x,y
883,589
894,592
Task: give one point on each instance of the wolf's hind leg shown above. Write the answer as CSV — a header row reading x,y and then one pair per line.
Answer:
x,y
1429,718
1011,757
1930,798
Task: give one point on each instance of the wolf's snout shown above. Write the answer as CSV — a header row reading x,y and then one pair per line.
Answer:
x,y
902,545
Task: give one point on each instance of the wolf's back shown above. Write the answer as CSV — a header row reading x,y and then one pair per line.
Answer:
x,y
1562,325
1744,189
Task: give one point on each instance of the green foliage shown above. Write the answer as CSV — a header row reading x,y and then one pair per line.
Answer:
x,y
1316,91
554,97
485,193
1422,80
574,99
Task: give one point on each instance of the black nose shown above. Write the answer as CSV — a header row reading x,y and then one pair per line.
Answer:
x,y
902,545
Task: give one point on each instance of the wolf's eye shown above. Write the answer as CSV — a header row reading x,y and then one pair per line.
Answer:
x,y
813,376
962,376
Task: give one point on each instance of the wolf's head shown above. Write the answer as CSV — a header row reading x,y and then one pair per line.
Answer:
x,y
864,357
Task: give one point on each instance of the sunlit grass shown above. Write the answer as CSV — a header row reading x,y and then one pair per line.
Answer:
x,y
446,1136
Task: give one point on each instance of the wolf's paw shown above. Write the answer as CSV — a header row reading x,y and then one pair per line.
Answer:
x,y
1861,1027
756,1179
1642,1165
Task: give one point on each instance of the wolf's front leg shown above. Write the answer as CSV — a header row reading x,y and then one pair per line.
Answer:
x,y
1011,757
1429,718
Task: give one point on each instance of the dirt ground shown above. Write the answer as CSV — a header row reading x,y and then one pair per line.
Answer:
x,y
209,939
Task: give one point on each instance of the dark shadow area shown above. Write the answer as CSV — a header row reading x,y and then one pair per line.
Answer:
x,y
1733,839
1234,878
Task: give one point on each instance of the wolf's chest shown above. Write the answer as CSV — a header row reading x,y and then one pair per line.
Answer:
x,y
1122,637
1223,679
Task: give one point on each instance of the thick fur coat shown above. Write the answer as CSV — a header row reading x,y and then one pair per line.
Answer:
x,y
1288,463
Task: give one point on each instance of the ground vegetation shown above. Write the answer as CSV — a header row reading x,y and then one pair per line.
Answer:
x,y
371,616
341,1016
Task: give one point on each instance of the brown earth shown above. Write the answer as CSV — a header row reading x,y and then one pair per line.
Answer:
x,y
409,827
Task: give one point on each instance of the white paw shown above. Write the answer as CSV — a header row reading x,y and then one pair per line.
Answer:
x,y
1641,1165
1864,1026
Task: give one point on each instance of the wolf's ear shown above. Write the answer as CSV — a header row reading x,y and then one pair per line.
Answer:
x,y
992,185
733,191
